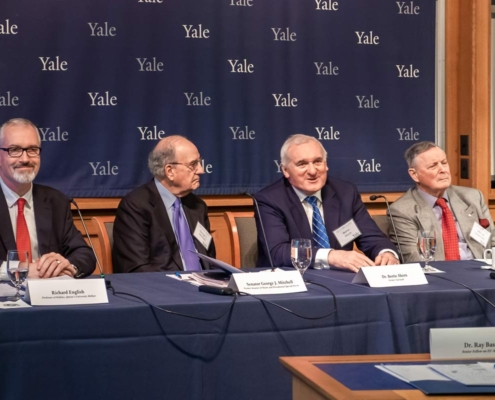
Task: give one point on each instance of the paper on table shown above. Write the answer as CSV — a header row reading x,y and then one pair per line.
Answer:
x,y
8,305
467,374
412,373
6,289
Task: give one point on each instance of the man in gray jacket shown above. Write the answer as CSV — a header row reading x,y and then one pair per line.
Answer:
x,y
457,214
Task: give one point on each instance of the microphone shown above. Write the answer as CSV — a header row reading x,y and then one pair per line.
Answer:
x,y
222,291
102,275
373,198
262,229
492,275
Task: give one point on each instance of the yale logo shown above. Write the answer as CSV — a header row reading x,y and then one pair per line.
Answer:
x,y
365,166
196,33
284,36
102,30
407,71
242,134
278,164
99,100
197,100
152,65
103,169
49,64
407,8
54,135
408,135
284,101
208,168
8,100
151,134
327,134
368,102
241,67
327,5
326,69
367,38
8,29
241,3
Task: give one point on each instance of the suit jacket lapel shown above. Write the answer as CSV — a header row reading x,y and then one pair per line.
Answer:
x,y
428,221
43,219
466,215
331,213
6,231
297,211
161,215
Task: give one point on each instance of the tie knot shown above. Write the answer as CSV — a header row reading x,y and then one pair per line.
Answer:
x,y
313,200
20,204
177,203
442,203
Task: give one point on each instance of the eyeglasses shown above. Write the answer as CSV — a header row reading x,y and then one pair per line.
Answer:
x,y
193,165
16,152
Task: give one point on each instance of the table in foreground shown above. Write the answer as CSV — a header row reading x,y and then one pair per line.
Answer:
x,y
312,383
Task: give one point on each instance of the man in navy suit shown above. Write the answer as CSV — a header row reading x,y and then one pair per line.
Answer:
x,y
305,203
34,218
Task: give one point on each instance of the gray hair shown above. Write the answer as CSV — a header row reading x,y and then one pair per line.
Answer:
x,y
417,149
163,154
295,140
18,122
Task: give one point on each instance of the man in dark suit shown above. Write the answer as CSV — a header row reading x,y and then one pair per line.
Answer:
x,y
160,224
305,203
36,219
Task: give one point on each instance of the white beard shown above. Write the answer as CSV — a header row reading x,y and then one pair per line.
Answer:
x,y
24,177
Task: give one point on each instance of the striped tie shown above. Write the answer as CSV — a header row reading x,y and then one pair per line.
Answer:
x,y
319,231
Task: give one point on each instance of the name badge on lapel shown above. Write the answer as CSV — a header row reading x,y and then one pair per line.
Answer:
x,y
202,235
481,235
347,232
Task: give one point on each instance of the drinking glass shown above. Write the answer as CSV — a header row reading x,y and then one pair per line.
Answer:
x,y
427,245
301,254
17,270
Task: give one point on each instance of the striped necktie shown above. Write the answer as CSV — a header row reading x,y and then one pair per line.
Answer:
x,y
319,231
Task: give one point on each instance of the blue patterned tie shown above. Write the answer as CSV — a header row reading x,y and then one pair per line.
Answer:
x,y
185,239
319,231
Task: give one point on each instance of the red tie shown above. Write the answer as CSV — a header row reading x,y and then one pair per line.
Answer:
x,y
22,236
449,232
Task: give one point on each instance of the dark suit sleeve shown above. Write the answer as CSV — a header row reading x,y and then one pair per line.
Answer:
x,y
277,234
132,242
372,240
74,248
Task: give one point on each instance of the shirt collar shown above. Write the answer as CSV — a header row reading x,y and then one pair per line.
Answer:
x,y
167,197
431,200
11,197
303,196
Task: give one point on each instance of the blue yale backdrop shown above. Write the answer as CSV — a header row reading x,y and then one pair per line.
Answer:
x,y
104,80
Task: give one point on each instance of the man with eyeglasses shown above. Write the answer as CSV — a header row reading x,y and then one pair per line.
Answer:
x,y
160,225
36,219
307,204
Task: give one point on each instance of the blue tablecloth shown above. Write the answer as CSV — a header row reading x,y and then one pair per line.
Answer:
x,y
127,350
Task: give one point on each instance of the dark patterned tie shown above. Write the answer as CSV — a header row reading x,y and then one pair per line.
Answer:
x,y
449,232
319,231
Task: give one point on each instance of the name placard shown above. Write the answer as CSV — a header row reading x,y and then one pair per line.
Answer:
x,y
277,282
391,275
455,343
57,292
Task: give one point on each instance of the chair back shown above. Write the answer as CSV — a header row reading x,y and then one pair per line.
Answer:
x,y
104,230
243,238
